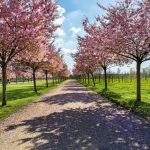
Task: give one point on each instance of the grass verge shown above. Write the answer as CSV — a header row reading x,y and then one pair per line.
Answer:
x,y
124,93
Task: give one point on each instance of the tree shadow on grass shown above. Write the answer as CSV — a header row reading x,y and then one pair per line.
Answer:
x,y
86,129
115,97
142,109
110,94
25,92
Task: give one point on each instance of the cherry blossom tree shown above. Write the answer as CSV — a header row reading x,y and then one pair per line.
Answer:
x,y
51,62
95,48
33,57
21,20
129,33
59,68
85,58
120,36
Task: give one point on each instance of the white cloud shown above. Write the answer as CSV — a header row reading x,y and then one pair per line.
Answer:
x,y
69,43
60,21
65,50
68,51
67,47
61,12
77,14
59,43
60,32
75,30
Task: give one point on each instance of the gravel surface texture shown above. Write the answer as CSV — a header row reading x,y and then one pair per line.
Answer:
x,y
72,117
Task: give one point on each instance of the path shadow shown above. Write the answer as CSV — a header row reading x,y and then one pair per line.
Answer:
x,y
73,97
73,94
86,129
76,86
73,84
81,89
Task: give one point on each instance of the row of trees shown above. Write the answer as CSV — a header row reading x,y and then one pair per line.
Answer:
x,y
121,36
127,78
26,39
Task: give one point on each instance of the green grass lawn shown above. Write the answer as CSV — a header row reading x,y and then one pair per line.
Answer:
x,y
124,93
21,94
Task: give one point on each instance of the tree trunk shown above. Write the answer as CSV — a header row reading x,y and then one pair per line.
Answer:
x,y
46,77
4,84
138,81
85,78
88,78
53,80
23,80
93,79
112,79
34,80
99,78
105,77
16,79
82,78
122,78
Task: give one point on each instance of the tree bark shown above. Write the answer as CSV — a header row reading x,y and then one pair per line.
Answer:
x,y
122,78
46,77
34,80
105,77
23,80
85,78
16,79
112,79
138,81
58,79
88,78
93,79
53,80
4,84
99,78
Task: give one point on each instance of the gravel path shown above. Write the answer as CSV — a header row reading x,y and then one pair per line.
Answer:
x,y
69,118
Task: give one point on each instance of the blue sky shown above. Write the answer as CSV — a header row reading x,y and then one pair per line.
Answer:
x,y
72,13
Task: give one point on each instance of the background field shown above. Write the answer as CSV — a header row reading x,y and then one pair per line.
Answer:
x,y
124,93
20,94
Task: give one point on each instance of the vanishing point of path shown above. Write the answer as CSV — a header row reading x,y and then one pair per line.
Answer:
x,y
69,118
